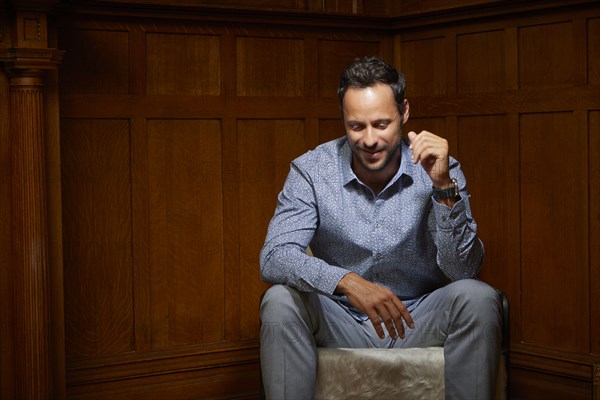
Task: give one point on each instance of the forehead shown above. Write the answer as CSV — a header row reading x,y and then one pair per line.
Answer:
x,y
373,101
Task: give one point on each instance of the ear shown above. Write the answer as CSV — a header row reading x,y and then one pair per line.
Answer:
x,y
406,111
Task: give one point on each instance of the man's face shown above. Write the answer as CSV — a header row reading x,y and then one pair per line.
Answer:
x,y
373,127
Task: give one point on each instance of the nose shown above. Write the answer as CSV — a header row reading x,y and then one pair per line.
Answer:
x,y
370,138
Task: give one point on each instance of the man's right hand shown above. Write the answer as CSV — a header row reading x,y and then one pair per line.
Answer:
x,y
379,303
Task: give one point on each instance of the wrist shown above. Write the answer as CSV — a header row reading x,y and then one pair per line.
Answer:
x,y
450,191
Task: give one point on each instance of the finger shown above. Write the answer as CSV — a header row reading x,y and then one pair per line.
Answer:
x,y
412,135
376,321
397,320
393,325
404,313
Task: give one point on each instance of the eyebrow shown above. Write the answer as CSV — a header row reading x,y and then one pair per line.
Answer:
x,y
375,122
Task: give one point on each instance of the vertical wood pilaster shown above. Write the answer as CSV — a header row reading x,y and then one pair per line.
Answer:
x,y
30,237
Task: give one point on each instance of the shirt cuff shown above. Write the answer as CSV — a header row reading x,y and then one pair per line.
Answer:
x,y
449,218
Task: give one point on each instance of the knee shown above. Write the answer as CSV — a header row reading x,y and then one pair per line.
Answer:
x,y
277,302
477,298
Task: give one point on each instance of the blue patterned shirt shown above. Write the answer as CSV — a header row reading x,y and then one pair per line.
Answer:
x,y
401,238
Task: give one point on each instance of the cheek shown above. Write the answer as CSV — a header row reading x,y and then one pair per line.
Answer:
x,y
353,137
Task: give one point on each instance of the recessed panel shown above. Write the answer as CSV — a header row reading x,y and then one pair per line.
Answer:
x,y
424,65
97,237
554,232
182,64
480,58
546,55
270,67
186,232
95,61
489,160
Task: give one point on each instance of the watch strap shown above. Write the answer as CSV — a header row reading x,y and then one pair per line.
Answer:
x,y
449,192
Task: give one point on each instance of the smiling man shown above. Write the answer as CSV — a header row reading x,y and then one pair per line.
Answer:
x,y
394,247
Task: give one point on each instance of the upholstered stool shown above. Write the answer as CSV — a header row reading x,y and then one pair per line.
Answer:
x,y
413,373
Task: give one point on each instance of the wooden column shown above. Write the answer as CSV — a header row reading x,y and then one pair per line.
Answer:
x,y
25,65
30,236
32,334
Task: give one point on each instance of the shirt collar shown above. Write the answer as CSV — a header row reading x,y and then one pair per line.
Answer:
x,y
406,165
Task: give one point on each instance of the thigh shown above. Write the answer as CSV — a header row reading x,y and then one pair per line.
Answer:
x,y
463,304
296,313
337,328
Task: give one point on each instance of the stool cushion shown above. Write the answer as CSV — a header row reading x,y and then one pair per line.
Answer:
x,y
413,373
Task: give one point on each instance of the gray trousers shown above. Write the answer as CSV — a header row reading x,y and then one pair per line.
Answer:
x,y
464,317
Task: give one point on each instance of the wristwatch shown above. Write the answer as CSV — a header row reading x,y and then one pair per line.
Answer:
x,y
447,193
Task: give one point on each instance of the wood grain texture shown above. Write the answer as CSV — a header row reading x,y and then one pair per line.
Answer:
x,y
31,289
594,226
96,61
182,64
186,232
7,343
546,55
554,234
265,149
259,75
224,100
97,237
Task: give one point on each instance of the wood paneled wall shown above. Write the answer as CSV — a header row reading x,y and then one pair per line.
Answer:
x,y
518,99
176,138
178,121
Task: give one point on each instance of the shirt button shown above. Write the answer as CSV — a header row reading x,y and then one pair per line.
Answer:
x,y
377,225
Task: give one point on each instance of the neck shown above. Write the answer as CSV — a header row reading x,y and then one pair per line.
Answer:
x,y
377,180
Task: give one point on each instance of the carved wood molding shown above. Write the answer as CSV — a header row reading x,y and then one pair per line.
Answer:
x,y
394,21
574,366
28,58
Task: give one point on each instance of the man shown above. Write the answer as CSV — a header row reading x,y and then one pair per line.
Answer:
x,y
394,247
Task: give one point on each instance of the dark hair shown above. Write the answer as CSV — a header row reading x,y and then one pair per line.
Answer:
x,y
368,71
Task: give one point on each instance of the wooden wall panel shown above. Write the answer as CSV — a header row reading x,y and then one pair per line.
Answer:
x,y
523,110
480,62
97,237
334,57
423,62
547,56
265,149
594,221
593,55
208,91
330,129
182,64
186,232
213,123
489,156
259,74
96,61
554,240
